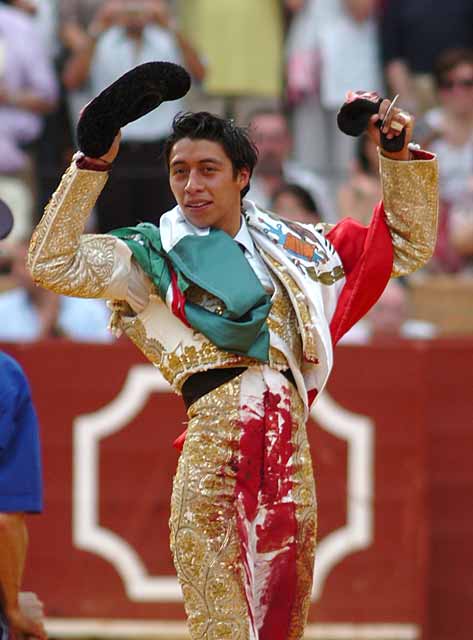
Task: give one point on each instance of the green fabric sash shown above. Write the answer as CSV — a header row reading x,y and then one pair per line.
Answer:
x,y
215,264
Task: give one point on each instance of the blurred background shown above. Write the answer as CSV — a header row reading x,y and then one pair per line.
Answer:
x,y
282,68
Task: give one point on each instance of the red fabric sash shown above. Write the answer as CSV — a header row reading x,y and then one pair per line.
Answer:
x,y
367,257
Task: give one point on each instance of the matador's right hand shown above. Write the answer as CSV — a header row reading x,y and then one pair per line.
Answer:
x,y
112,153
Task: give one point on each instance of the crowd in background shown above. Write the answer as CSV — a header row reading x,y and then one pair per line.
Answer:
x,y
281,67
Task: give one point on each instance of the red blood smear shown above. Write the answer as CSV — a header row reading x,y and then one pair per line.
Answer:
x,y
266,449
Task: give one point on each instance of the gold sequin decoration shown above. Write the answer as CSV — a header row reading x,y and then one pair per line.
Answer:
x,y
136,331
303,493
282,321
176,366
299,304
204,540
326,278
60,258
410,196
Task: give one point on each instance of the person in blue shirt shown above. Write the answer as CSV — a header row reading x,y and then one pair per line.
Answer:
x,y
21,492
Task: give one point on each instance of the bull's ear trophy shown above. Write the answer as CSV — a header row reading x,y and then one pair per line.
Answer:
x,y
355,113
133,95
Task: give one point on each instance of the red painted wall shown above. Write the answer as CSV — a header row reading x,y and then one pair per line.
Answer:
x,y
418,568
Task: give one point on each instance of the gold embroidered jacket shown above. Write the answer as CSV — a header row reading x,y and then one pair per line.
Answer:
x,y
64,259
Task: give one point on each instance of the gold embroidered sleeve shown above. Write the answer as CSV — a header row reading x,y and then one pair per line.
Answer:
x,y
410,196
64,260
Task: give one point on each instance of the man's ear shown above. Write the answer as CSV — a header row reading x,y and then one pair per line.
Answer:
x,y
243,177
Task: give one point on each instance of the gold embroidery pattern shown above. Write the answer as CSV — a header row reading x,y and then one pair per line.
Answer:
x,y
299,304
176,366
303,492
136,331
326,277
204,541
60,258
410,196
282,321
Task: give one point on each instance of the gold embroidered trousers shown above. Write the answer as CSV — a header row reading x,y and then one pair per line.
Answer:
x,y
243,514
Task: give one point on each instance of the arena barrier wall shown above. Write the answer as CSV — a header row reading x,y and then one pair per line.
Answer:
x,y
392,444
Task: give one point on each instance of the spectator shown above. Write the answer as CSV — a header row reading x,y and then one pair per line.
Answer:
x,y
75,17
362,191
28,90
122,35
293,202
389,320
270,132
448,130
54,147
242,44
461,230
20,493
332,48
45,17
413,34
28,313
450,125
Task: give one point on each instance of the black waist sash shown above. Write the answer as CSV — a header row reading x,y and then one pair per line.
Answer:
x,y
203,382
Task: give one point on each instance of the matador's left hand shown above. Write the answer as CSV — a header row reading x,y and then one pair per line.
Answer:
x,y
397,121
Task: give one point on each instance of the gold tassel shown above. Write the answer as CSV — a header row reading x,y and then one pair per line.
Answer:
x,y
118,308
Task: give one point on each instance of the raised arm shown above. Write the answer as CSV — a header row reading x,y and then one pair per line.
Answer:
x,y
410,193
410,198
410,206
64,260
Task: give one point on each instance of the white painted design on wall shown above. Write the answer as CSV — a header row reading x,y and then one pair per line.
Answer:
x,y
143,380
357,534
173,630
87,533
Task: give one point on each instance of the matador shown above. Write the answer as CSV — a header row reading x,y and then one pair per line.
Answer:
x,y
240,311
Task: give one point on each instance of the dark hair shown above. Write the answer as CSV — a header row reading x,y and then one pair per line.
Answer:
x,y
448,60
202,125
304,197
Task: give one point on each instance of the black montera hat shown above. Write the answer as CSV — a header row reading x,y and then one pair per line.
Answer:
x,y
134,94
354,115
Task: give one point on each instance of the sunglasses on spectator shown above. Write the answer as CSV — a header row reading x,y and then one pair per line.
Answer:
x,y
448,85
